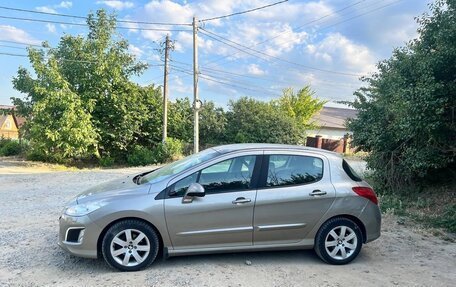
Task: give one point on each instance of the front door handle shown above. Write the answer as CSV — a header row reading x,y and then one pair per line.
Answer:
x,y
317,192
240,200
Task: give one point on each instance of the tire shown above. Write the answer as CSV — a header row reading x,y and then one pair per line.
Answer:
x,y
130,245
335,249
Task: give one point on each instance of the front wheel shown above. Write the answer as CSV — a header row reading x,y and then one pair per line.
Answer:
x,y
338,241
130,245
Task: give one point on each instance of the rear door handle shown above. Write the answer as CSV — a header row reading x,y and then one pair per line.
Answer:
x,y
317,192
240,200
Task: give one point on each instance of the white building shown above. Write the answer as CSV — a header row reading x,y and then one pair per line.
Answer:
x,y
331,123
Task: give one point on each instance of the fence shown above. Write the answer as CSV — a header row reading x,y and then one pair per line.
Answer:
x,y
340,146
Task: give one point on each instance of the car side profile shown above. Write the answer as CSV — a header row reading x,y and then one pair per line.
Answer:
x,y
232,198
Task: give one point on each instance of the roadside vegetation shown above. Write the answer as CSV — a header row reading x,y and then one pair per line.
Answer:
x,y
82,106
406,123
9,147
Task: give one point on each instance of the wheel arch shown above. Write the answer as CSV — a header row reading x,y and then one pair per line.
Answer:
x,y
352,218
105,229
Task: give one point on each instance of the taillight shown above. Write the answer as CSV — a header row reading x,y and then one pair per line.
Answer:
x,y
366,192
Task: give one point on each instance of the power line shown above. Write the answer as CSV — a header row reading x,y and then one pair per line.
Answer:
x,y
222,78
362,14
262,78
295,28
315,20
225,40
85,18
22,43
68,60
243,12
12,54
85,25
12,47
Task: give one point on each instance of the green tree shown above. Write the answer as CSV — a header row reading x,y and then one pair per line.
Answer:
x,y
58,125
213,123
180,120
96,70
250,120
406,112
300,106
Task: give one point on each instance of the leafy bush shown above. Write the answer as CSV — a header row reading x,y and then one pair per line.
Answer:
x,y
171,150
9,147
406,111
33,155
140,156
106,161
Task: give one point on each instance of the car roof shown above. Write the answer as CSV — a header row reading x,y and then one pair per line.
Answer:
x,y
252,146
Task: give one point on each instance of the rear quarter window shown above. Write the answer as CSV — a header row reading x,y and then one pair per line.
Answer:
x,y
350,171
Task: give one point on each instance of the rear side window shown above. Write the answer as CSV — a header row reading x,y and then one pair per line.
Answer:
x,y
350,171
285,170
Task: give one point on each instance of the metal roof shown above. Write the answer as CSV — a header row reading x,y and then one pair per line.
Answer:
x,y
248,146
330,117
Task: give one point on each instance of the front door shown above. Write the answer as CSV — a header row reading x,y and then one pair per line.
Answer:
x,y
223,217
294,194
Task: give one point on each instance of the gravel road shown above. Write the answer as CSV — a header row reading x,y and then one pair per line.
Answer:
x,y
31,202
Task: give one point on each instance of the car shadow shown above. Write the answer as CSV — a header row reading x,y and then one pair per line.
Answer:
x,y
257,258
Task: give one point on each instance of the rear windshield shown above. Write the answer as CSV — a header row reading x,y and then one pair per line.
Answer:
x,y
350,171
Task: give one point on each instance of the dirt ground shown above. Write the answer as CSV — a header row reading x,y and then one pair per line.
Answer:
x,y
32,198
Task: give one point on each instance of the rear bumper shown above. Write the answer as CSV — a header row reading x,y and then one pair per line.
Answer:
x,y
372,219
85,243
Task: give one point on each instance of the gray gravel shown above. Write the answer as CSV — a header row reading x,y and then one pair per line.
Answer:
x,y
30,204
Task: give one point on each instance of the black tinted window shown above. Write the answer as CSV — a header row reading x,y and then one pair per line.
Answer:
x,y
350,171
181,186
293,169
232,174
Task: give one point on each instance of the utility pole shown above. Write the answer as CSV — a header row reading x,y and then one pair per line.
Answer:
x,y
196,101
165,90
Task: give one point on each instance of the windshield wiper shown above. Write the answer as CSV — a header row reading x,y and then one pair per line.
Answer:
x,y
137,178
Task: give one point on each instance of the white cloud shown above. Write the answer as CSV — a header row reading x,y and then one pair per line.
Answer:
x,y
138,52
50,27
46,9
116,4
254,69
11,33
65,4
341,51
133,27
179,86
168,11
293,11
184,41
52,9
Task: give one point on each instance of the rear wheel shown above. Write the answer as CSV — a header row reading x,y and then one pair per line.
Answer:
x,y
130,245
338,241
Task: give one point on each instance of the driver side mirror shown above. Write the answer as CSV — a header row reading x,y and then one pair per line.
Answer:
x,y
194,190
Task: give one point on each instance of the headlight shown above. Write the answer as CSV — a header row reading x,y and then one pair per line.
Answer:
x,y
83,209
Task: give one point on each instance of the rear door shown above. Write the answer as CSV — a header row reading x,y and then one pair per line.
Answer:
x,y
294,193
224,216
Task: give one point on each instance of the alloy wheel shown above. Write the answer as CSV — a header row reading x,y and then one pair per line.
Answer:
x,y
341,242
130,247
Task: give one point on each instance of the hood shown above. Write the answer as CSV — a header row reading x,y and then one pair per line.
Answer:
x,y
123,186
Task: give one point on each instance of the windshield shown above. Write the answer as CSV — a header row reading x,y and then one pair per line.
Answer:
x,y
180,165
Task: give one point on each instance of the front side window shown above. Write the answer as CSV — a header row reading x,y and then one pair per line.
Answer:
x,y
181,186
229,175
232,174
284,170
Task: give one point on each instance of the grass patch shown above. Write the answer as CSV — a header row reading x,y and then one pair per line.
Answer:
x,y
433,207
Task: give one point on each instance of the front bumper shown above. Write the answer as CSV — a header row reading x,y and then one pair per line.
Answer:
x,y
87,233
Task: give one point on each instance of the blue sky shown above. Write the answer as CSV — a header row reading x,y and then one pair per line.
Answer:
x,y
349,38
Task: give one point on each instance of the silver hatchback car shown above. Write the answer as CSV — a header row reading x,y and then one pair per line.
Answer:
x,y
232,198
